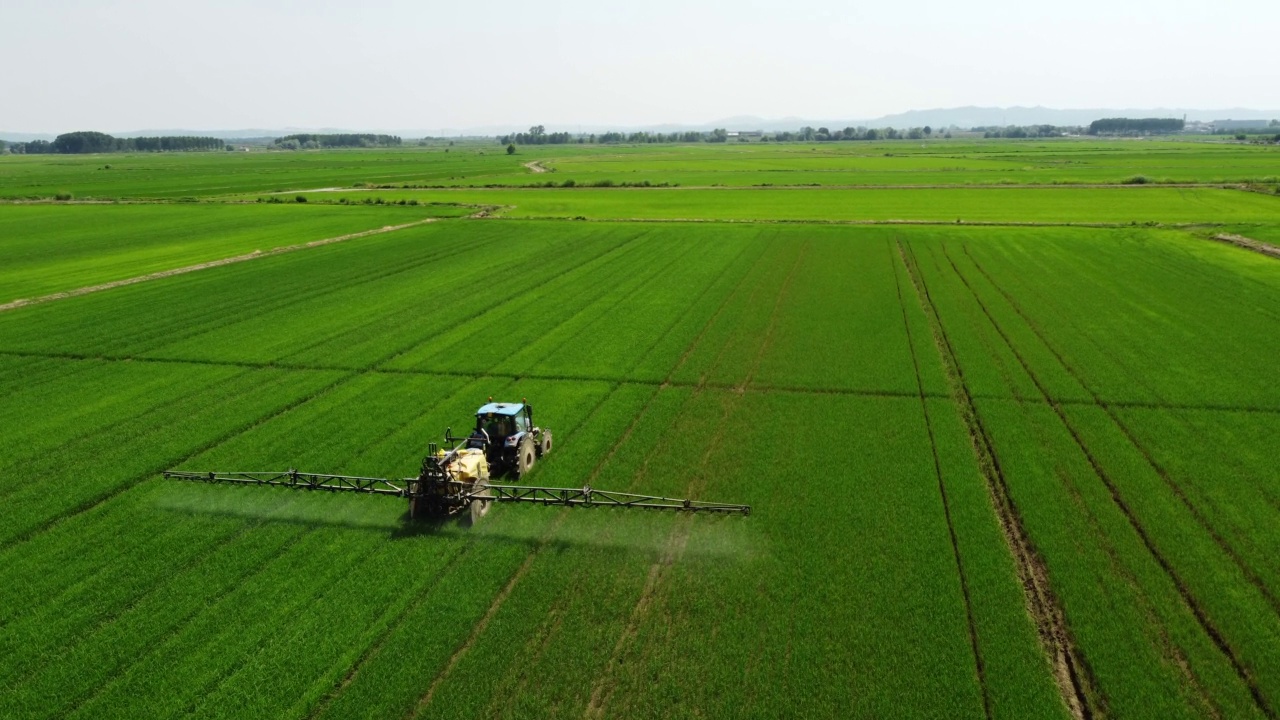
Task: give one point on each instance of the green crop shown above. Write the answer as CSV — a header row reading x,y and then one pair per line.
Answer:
x,y
994,470
47,248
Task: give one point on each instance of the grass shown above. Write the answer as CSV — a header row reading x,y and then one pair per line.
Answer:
x,y
933,162
49,248
1135,205
922,417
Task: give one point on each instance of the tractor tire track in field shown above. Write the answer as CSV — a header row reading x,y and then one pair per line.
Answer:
x,y
1075,684
606,685
215,683
256,254
163,577
265,304
1206,625
697,302
491,306
1179,409
675,258
90,433
134,482
483,623
942,492
556,613
1159,469
425,699
595,705
118,675
1155,628
486,307
197,321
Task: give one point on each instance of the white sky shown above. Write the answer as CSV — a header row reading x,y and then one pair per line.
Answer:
x,y
392,64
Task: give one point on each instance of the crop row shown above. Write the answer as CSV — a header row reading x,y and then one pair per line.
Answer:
x,y
1115,528
179,175
628,303
1116,206
186,599
49,248
953,162
873,569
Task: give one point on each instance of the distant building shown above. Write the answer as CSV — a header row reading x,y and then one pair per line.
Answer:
x,y
746,133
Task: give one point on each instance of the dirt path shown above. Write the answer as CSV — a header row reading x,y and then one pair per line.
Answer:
x,y
1249,244
535,166
205,265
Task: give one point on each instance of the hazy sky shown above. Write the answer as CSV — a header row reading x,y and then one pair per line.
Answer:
x,y
387,64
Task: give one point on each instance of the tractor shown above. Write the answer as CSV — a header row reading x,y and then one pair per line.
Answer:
x,y
508,437
453,481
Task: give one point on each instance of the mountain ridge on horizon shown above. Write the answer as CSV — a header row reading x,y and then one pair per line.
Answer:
x,y
962,117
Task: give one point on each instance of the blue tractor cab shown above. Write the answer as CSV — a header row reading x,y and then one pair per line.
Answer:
x,y
510,440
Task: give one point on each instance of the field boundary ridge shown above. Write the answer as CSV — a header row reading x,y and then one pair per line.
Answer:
x,y
1249,244
1071,674
24,302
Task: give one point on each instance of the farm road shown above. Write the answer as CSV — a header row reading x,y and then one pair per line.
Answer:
x,y
205,265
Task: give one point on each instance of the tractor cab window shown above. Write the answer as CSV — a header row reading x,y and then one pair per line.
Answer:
x,y
499,426
491,424
522,423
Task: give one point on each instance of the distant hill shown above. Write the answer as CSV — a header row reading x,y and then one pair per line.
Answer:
x,y
972,116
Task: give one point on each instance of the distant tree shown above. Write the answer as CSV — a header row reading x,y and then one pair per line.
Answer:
x,y
928,131
718,135
84,142
871,134
511,148
313,141
915,134
1136,126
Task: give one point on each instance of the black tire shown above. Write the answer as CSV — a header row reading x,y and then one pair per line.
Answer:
x,y
525,456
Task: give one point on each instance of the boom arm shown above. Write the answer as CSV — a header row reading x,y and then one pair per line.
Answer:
x,y
590,497
294,479
459,493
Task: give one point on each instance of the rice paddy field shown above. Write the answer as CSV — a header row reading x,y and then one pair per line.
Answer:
x,y
1008,427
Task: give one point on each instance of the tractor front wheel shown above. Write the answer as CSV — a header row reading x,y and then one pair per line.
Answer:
x,y
544,447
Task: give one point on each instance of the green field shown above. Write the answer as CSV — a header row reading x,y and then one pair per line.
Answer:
x,y
50,248
1013,470
935,162
1062,205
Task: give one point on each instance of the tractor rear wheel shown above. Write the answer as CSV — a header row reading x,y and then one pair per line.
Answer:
x,y
525,456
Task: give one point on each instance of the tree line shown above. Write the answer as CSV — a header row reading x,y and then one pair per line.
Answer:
x,y
1136,126
311,141
1028,131
537,135
76,143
